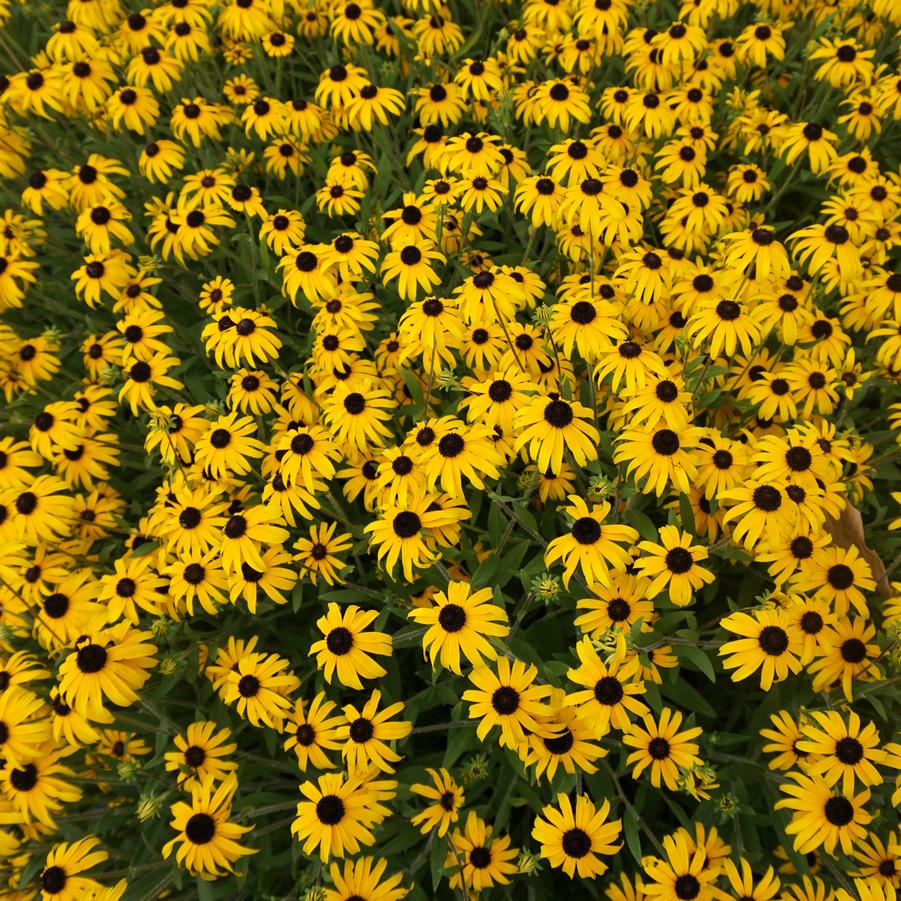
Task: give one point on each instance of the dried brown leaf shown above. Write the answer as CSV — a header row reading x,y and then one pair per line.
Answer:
x,y
847,531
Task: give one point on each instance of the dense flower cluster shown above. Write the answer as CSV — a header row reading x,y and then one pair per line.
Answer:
x,y
448,450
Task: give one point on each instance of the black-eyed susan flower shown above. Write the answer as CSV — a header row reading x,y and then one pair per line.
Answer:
x,y
133,585
283,231
723,326
316,554
759,511
20,668
16,461
629,363
839,576
879,860
609,688
307,272
508,698
573,835
481,858
847,653
549,426
38,508
618,605
312,732
364,877
447,799
366,732
758,248
810,617
101,274
461,622
783,740
769,643
61,877
187,40
357,415
339,84
25,731
133,107
336,199
252,392
374,105
809,138
54,428
336,815
37,790
306,455
227,446
567,740
439,102
239,335
661,747
817,245
201,753
195,236
46,186
842,750
194,519
822,817
593,545
274,580
348,646
260,687
674,565
412,266
404,532
659,458
431,330
353,255
207,843
246,533
460,451
109,663
683,869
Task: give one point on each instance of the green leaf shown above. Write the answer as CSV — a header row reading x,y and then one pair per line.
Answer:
x,y
699,658
640,521
685,696
632,836
297,597
731,553
341,596
462,739
144,549
436,861
685,511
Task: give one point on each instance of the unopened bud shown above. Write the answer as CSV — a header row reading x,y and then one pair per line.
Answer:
x,y
445,379
160,627
546,587
168,665
476,769
127,770
599,489
112,375
148,807
728,805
